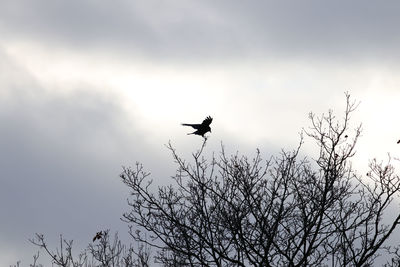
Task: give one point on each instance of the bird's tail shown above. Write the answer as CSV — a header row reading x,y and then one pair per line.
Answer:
x,y
187,124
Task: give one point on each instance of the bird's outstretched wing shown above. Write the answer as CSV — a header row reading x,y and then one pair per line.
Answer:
x,y
98,236
207,121
196,126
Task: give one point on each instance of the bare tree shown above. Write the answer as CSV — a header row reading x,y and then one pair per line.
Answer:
x,y
285,211
34,263
105,252
288,210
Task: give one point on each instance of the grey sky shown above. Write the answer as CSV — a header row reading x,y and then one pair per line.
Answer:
x,y
210,31
88,86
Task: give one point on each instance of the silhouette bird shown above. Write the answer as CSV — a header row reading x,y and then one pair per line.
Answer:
x,y
202,128
398,142
98,236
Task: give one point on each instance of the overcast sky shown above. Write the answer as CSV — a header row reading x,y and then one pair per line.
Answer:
x,y
89,86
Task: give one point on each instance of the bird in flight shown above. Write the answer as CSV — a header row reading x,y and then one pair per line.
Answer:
x,y
202,128
98,236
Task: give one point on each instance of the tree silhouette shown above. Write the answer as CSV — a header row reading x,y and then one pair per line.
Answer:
x,y
288,210
106,252
285,211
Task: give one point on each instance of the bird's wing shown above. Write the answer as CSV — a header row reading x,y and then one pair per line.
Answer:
x,y
207,121
95,237
196,126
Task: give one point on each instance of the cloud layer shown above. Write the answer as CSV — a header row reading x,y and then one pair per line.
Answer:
x,y
207,31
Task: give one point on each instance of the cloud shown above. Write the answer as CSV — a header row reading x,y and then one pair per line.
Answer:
x,y
61,153
207,31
